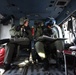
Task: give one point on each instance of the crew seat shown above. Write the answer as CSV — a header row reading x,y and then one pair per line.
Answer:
x,y
21,53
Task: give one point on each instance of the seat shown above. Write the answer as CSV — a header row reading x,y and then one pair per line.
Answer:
x,y
2,54
72,48
21,53
71,51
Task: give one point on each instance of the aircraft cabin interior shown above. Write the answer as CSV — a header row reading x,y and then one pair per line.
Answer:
x,y
37,37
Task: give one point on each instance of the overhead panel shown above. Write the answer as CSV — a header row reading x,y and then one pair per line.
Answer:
x,y
69,10
43,8
61,3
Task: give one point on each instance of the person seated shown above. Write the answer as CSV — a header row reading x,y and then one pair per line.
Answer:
x,y
16,32
38,32
38,44
21,30
45,48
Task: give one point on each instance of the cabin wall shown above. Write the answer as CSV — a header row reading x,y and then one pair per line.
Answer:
x,y
4,31
31,23
68,33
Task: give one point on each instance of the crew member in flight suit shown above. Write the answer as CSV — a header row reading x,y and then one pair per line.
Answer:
x,y
45,48
16,32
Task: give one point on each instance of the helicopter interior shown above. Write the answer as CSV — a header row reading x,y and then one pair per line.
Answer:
x,y
36,9
13,11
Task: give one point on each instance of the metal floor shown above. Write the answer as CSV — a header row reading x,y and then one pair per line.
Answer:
x,y
52,71
36,70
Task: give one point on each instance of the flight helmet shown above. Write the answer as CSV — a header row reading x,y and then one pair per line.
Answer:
x,y
50,21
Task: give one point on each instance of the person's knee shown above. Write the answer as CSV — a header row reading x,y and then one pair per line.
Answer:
x,y
40,49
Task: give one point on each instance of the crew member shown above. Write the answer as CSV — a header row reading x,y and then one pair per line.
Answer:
x,y
11,48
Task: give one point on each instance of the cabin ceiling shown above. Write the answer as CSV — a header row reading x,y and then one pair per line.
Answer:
x,y
33,9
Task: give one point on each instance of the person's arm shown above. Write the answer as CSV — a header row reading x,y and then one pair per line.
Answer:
x,y
14,32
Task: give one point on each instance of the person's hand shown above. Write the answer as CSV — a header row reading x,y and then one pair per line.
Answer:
x,y
17,28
